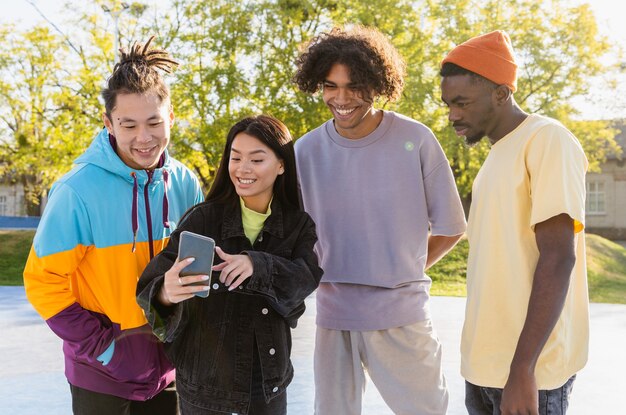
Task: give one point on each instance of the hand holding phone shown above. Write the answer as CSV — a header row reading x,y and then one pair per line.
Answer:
x,y
202,249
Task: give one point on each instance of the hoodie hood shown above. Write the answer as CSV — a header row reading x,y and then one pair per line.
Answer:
x,y
101,153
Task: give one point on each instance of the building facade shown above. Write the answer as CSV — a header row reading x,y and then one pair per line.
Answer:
x,y
606,194
12,200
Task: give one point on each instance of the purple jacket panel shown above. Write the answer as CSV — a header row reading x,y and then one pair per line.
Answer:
x,y
137,370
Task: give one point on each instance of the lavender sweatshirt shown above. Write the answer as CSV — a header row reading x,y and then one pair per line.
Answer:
x,y
374,201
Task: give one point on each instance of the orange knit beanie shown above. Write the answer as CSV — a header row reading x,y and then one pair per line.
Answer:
x,y
490,56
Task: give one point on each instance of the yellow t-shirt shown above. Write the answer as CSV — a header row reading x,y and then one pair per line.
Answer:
x,y
253,221
534,173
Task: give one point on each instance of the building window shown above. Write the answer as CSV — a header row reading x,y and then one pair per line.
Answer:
x,y
4,206
595,198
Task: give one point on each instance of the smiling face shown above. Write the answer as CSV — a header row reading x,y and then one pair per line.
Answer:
x,y
471,105
141,126
353,113
253,168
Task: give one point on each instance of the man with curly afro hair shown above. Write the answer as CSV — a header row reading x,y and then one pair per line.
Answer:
x,y
382,194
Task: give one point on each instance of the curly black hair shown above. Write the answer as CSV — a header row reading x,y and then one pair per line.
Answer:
x,y
136,73
375,65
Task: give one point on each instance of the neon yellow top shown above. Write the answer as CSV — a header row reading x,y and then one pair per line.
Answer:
x,y
253,221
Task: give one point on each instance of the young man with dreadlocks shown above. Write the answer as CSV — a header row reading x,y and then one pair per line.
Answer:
x,y
382,194
104,220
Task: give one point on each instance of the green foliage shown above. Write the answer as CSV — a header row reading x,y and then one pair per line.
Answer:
x,y
558,50
27,95
238,58
14,248
49,109
597,139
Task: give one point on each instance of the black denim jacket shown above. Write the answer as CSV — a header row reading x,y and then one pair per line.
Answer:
x,y
211,340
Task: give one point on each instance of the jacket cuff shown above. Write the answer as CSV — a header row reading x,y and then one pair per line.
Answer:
x,y
163,319
261,279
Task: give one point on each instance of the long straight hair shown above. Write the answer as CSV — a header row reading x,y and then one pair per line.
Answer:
x,y
273,133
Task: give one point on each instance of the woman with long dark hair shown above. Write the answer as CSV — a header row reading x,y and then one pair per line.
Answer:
x,y
232,349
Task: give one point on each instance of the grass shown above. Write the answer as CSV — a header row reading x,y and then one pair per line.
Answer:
x,y
448,275
606,270
606,267
14,248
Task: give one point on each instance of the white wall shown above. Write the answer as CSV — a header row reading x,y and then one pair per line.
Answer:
x,y
12,201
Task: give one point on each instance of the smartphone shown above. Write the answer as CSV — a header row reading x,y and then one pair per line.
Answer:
x,y
202,249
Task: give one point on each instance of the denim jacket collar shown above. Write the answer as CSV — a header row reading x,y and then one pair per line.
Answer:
x,y
233,226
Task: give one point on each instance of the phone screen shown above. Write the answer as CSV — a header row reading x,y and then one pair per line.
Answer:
x,y
202,248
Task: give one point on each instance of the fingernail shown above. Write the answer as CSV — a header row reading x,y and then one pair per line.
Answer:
x,y
205,277
191,259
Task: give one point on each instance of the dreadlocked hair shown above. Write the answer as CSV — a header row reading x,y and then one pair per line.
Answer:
x,y
136,73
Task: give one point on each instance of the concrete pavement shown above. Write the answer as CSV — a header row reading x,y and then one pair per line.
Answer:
x,y
32,380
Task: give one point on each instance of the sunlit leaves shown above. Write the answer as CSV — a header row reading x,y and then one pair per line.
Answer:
x,y
237,58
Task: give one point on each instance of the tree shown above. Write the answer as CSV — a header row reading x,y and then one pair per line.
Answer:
x,y
237,58
558,49
248,52
30,76
50,86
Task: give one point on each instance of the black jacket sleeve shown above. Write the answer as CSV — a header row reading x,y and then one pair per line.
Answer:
x,y
166,321
286,282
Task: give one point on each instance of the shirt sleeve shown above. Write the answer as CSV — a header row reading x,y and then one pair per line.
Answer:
x,y
62,240
556,165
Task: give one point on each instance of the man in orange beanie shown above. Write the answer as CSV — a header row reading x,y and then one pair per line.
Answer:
x,y
526,328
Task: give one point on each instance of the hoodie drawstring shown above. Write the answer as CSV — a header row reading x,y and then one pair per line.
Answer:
x,y
135,213
135,210
166,205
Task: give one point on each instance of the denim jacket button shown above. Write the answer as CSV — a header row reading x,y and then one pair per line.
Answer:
x,y
272,351
275,389
264,311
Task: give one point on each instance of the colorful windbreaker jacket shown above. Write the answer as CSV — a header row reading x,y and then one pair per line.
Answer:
x,y
102,224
